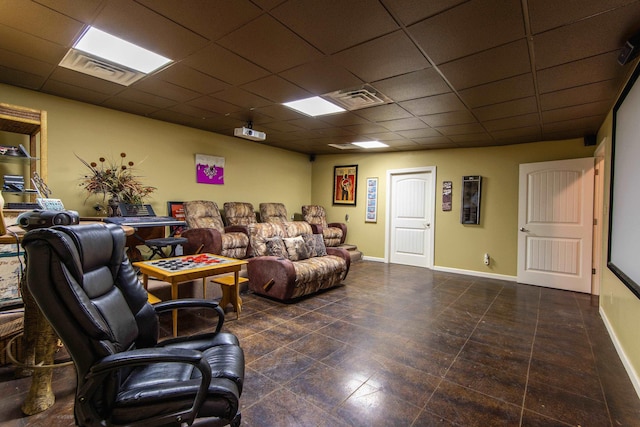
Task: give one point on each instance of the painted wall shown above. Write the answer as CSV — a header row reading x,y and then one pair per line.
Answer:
x,y
164,154
457,246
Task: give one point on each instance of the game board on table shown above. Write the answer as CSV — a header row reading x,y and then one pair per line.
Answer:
x,y
188,262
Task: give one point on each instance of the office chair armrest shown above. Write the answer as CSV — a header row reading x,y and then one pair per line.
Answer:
x,y
187,303
146,356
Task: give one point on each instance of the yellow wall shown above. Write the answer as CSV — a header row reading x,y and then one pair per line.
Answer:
x,y
254,172
456,246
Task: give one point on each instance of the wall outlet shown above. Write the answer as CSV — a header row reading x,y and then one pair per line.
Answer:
x,y
487,259
346,217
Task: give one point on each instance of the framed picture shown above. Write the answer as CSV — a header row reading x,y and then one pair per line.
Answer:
x,y
372,200
176,210
345,179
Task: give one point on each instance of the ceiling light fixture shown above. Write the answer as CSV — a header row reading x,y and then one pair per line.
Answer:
x,y
370,144
314,106
114,49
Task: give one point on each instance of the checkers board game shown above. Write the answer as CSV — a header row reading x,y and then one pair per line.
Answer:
x,y
189,262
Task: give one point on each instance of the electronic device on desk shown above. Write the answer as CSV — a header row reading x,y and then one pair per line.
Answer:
x,y
50,204
39,218
13,183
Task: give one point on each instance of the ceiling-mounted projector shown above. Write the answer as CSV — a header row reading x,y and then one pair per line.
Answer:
x,y
248,133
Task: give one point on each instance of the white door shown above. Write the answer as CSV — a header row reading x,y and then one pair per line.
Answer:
x,y
411,211
555,220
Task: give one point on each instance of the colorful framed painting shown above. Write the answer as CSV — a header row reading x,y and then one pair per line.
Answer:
x,y
176,210
372,200
345,179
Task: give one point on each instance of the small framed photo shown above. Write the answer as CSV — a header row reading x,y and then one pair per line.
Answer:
x,y
372,200
345,179
176,210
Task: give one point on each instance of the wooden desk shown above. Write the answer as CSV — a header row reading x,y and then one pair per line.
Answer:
x,y
154,268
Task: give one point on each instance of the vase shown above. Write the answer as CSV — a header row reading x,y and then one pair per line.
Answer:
x,y
113,207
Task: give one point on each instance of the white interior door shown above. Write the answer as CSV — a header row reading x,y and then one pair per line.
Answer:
x,y
555,220
411,205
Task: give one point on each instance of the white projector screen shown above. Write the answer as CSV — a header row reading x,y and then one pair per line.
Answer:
x,y
624,217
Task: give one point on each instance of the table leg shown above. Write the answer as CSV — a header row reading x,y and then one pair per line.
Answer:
x,y
237,302
145,280
174,314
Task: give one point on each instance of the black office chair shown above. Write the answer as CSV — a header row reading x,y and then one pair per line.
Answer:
x,y
85,286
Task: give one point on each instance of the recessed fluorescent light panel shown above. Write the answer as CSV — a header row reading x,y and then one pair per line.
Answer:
x,y
370,144
314,106
113,49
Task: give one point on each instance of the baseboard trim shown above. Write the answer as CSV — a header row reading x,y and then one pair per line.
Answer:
x,y
633,375
370,258
476,273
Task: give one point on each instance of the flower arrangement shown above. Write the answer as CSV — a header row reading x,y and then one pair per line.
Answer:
x,y
117,181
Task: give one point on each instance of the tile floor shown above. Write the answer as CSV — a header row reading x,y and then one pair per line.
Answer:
x,y
405,346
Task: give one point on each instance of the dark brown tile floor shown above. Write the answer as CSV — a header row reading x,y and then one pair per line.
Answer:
x,y
405,346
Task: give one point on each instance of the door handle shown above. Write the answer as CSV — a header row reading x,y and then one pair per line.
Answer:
x,y
524,230
427,225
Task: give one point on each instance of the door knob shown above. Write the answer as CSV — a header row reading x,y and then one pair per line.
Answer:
x,y
427,224
524,230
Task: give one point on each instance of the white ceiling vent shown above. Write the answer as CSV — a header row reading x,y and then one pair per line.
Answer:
x,y
344,146
86,64
356,99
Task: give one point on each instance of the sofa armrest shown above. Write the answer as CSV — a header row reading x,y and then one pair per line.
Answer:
x,y
341,226
237,229
202,240
272,276
317,228
342,253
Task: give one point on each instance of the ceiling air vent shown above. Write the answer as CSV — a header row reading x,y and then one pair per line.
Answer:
x,y
356,99
343,146
81,62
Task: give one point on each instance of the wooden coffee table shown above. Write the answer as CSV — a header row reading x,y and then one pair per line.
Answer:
x,y
186,268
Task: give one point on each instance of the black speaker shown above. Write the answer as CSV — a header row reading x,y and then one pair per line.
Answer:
x,y
630,50
589,140
312,157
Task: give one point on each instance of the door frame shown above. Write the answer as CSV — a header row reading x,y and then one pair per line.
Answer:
x,y
387,226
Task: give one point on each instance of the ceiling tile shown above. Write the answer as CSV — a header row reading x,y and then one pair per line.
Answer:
x,y
589,37
31,46
449,119
417,84
384,57
514,122
40,21
192,111
601,91
25,63
469,128
137,24
270,45
329,26
507,109
411,11
276,89
524,131
322,76
548,14
383,113
503,90
140,97
469,28
479,138
309,123
83,11
404,124
85,81
154,85
189,78
241,98
489,66
21,78
364,129
433,104
225,65
126,105
209,18
416,134
215,105
578,73
593,109
71,91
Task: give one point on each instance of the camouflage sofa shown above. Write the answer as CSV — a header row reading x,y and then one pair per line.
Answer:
x,y
290,261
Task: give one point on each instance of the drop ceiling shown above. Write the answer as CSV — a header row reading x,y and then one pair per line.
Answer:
x,y
455,73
